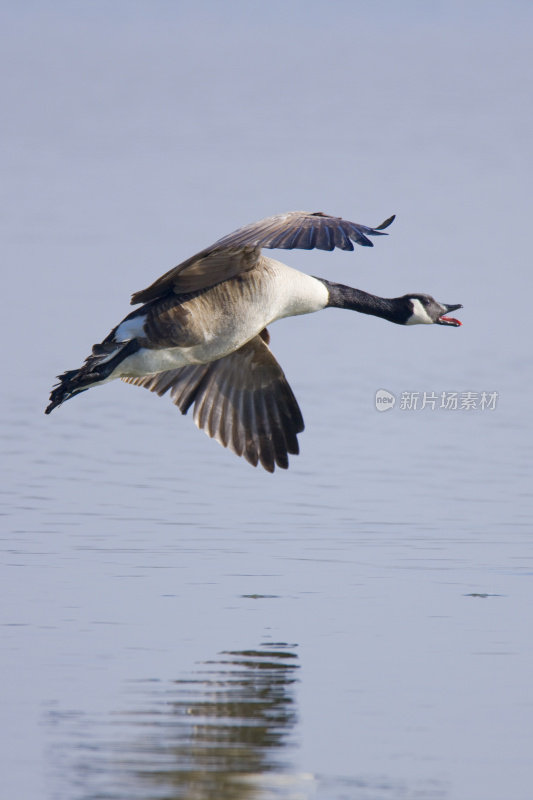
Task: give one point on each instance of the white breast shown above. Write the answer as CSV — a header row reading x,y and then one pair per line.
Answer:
x,y
295,292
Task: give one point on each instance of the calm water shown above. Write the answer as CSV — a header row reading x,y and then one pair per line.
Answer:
x,y
175,624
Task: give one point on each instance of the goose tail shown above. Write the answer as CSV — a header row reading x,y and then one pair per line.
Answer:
x,y
97,368
70,383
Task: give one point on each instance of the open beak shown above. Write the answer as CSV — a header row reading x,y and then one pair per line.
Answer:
x,y
449,320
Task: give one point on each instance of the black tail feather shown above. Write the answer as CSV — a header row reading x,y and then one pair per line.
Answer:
x,y
97,367
65,389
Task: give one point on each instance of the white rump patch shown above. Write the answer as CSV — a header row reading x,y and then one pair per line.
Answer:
x,y
419,316
130,328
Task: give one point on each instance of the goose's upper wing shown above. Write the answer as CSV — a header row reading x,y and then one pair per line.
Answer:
x,y
242,400
239,251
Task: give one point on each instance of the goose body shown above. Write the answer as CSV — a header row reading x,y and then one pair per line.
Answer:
x,y
214,323
201,332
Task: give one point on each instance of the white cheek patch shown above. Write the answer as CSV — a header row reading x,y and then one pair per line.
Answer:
x,y
130,328
419,315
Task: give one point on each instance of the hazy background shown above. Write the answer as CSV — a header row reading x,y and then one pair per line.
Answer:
x,y
135,549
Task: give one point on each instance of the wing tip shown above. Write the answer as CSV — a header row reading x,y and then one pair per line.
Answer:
x,y
386,223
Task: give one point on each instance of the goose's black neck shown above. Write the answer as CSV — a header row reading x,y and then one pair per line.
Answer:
x,y
341,296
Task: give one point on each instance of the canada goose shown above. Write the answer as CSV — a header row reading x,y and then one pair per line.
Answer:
x,y
201,332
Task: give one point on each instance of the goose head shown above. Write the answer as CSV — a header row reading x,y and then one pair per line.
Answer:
x,y
425,310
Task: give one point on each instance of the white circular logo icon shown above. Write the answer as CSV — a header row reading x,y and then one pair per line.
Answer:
x,y
384,400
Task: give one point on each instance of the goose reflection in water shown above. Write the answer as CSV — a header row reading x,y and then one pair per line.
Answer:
x,y
223,732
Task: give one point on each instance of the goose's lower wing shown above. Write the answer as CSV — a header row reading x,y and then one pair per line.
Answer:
x,y
242,400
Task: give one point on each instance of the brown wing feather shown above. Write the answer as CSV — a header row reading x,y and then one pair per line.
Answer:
x,y
243,401
239,251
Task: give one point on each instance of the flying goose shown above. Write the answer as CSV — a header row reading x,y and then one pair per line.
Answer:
x,y
201,332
